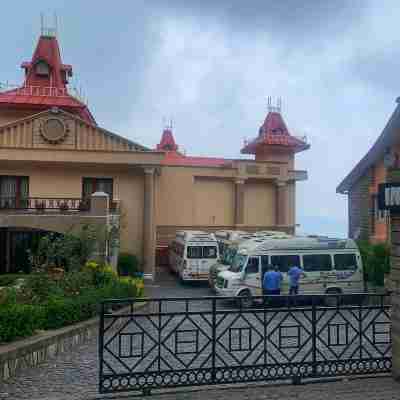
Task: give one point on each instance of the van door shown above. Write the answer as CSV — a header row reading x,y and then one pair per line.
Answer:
x,y
253,276
194,256
210,255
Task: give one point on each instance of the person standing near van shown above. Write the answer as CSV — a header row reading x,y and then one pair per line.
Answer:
x,y
295,273
272,281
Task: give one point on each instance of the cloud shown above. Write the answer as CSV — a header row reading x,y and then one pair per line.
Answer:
x,y
290,21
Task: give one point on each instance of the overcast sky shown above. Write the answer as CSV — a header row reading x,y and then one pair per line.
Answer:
x,y
210,66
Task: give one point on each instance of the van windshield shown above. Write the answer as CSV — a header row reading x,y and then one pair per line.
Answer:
x,y
228,255
239,261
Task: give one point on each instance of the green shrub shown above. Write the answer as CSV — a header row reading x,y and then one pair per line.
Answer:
x,y
74,283
19,320
128,264
376,261
55,304
38,288
10,279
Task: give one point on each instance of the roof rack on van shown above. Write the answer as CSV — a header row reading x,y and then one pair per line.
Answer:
x,y
195,235
298,243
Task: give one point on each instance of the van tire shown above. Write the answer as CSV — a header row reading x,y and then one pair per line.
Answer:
x,y
333,301
245,299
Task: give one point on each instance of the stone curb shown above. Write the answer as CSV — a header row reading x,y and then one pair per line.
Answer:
x,y
34,350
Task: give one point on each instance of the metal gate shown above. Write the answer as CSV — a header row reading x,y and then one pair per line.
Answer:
x,y
175,342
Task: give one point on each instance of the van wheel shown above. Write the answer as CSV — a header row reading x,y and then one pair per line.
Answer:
x,y
245,299
333,301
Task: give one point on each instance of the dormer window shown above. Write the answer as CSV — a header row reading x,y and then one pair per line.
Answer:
x,y
42,69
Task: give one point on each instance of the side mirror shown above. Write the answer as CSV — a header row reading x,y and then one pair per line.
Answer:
x,y
243,275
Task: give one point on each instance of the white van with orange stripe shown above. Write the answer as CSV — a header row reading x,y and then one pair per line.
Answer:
x,y
192,253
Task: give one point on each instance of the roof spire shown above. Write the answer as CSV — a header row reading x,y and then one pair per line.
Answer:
x,y
48,31
167,142
277,108
274,132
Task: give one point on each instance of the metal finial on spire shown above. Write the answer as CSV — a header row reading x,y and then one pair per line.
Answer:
x,y
47,31
277,108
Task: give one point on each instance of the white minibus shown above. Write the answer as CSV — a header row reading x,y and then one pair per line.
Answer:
x,y
192,253
331,266
231,247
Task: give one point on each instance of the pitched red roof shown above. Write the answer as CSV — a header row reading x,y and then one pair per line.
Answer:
x,y
45,91
274,132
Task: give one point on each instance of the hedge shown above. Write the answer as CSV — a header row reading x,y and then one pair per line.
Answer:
x,y
21,320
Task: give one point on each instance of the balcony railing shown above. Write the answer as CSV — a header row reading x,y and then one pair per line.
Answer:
x,y
41,204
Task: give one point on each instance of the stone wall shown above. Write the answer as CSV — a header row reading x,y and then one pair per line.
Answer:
x,y
360,207
395,287
31,352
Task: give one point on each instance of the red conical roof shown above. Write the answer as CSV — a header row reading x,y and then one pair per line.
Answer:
x,y
47,51
274,132
45,83
167,142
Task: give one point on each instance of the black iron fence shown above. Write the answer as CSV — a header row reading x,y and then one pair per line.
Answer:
x,y
175,342
44,204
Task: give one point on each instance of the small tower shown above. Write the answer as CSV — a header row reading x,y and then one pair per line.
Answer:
x,y
274,137
45,83
167,142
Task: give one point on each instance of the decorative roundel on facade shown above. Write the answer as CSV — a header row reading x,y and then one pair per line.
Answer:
x,y
54,130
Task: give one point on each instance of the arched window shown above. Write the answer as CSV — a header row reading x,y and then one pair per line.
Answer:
x,y
42,69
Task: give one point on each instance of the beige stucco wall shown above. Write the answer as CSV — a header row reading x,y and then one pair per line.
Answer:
x,y
214,202
57,181
177,195
292,203
260,203
7,116
276,156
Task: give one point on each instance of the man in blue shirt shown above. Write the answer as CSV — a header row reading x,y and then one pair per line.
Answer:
x,y
295,273
272,281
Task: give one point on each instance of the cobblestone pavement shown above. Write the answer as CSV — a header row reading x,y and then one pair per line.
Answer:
x,y
74,375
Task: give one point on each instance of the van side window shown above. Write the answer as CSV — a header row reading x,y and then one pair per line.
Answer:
x,y
252,265
194,252
345,262
264,262
284,263
317,262
209,252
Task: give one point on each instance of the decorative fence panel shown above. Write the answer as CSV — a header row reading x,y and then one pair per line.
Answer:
x,y
175,342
